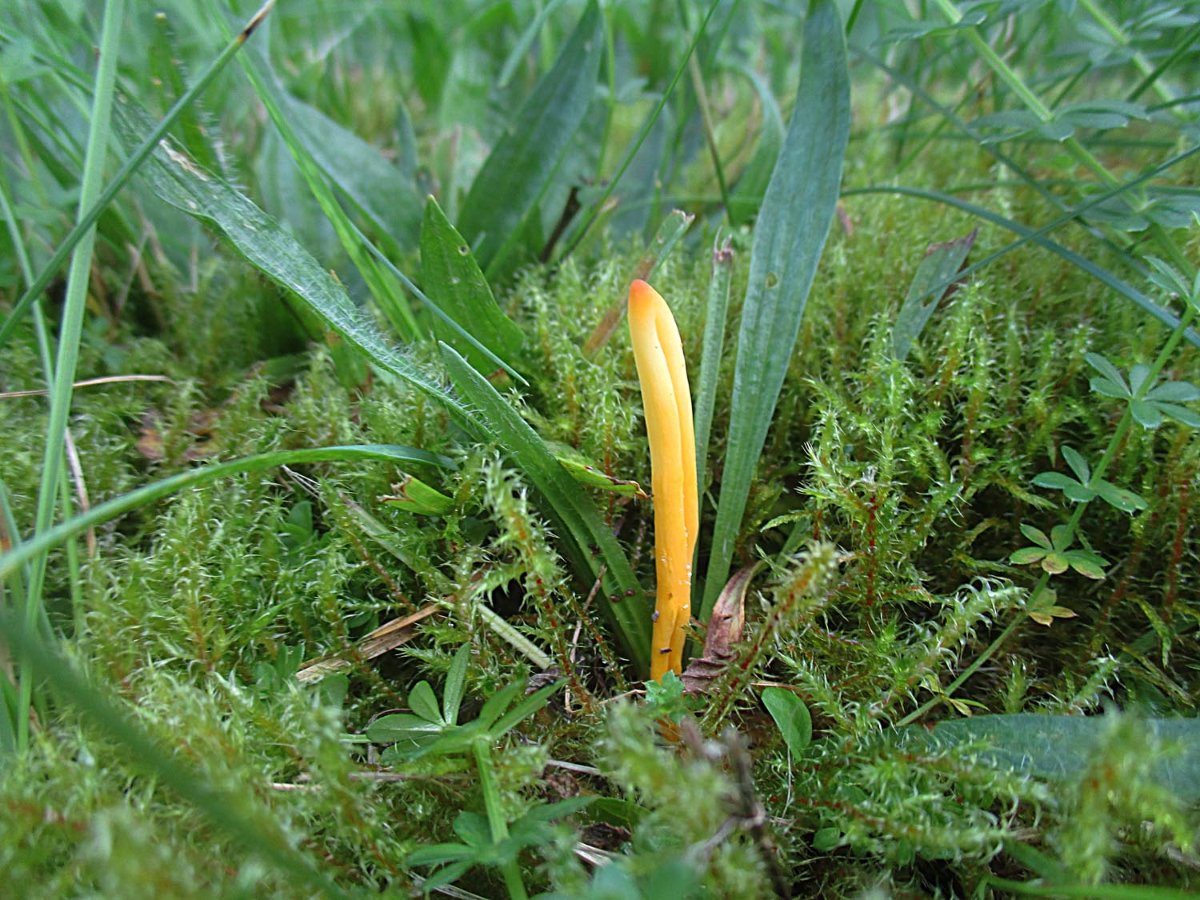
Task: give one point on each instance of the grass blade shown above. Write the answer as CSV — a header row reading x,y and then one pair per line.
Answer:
x,y
522,164
70,335
599,205
136,158
791,231
710,358
19,555
358,169
579,523
390,300
669,233
1038,236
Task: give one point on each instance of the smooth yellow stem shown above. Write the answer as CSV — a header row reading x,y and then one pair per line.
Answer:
x,y
667,400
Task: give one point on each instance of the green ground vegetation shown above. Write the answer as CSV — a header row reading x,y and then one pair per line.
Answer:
x,y
993,532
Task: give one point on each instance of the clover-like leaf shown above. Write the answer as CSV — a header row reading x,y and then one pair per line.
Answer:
x,y
1180,414
455,679
473,829
1027,556
792,718
423,701
1086,563
440,853
1103,114
1137,377
1077,463
1119,497
1174,392
1167,277
1146,413
1055,563
1047,615
1037,536
402,727
1080,493
1111,382
1062,536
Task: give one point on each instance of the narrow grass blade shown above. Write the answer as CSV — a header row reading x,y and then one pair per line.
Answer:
x,y
179,181
136,158
195,129
710,359
525,41
579,524
1060,747
450,324
70,334
229,813
932,281
522,164
450,273
791,231
14,559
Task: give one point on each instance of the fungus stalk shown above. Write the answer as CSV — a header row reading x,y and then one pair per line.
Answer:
x,y
669,428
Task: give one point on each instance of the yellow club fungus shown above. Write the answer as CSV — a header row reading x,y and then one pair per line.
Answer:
x,y
668,407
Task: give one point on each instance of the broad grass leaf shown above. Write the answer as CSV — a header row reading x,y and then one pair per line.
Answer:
x,y
452,279
788,239
752,184
524,161
358,169
715,315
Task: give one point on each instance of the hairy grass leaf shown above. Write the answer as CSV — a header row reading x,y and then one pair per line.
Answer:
x,y
179,181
